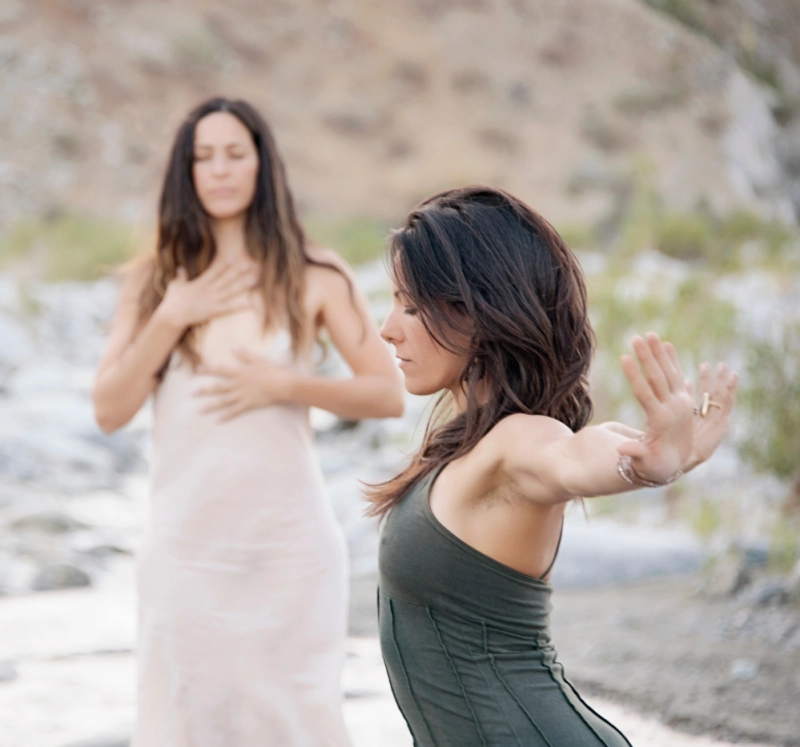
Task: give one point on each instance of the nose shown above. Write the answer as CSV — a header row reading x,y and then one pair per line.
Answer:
x,y
390,330
219,166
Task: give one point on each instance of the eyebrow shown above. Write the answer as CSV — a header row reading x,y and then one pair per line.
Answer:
x,y
209,146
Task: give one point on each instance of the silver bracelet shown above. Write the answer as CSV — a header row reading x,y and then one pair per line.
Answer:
x,y
632,477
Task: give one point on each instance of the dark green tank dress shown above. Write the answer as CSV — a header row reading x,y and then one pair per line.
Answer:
x,y
466,644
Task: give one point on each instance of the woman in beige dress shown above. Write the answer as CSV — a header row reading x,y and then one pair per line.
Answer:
x,y
242,574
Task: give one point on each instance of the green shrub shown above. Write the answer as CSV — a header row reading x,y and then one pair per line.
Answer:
x,y
604,133
771,397
784,545
705,518
646,99
69,247
357,239
578,236
743,226
722,244
687,236
671,312
684,11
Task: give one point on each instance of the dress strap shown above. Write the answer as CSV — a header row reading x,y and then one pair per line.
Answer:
x,y
558,547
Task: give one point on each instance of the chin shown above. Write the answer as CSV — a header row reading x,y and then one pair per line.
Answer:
x,y
225,213
422,388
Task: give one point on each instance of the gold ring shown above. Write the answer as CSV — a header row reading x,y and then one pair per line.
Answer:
x,y
708,403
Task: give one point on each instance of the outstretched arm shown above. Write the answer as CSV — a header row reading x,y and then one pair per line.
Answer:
x,y
551,464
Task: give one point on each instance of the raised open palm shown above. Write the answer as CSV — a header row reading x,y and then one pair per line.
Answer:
x,y
658,383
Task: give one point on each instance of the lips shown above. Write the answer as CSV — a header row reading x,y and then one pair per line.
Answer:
x,y
222,192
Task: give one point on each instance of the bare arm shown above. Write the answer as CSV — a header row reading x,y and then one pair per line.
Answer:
x,y
126,374
135,353
550,464
375,389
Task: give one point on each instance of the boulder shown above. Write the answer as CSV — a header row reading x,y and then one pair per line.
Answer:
x,y
60,576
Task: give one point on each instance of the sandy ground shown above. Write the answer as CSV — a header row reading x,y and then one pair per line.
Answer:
x,y
74,683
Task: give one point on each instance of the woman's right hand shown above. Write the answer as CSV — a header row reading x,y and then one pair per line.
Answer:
x,y
662,391
710,428
218,291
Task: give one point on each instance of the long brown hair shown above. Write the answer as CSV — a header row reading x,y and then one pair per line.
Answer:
x,y
273,232
479,264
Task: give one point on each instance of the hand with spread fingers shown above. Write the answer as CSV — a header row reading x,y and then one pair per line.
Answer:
x,y
716,397
222,289
251,383
658,456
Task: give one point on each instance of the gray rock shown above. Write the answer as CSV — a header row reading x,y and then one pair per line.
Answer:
x,y
593,173
793,584
126,447
728,576
104,550
8,671
753,556
50,522
60,576
16,346
743,669
768,591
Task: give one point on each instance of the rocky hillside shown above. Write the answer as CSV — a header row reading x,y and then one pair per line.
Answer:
x,y
764,39
375,104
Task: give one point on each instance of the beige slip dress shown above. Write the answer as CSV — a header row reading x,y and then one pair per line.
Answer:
x,y
242,575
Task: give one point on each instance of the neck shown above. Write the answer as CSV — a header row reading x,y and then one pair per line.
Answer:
x,y
230,238
460,396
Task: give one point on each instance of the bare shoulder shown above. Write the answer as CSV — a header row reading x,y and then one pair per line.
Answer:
x,y
523,449
326,265
491,469
521,430
516,437
135,276
330,281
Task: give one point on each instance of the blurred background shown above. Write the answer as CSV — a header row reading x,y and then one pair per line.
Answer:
x,y
662,139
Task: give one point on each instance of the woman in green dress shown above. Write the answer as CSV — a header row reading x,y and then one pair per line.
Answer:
x,y
490,309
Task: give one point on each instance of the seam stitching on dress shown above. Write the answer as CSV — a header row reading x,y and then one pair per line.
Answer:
x,y
458,678
485,629
518,701
408,682
583,702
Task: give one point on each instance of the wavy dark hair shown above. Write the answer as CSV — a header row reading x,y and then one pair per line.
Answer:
x,y
480,265
274,236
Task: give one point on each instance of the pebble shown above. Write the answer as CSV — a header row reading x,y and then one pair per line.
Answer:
x,y
743,669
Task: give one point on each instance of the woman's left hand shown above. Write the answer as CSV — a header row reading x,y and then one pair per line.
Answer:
x,y
252,383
